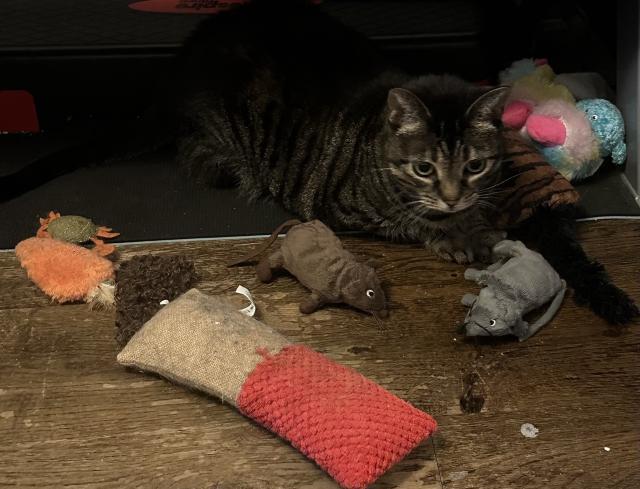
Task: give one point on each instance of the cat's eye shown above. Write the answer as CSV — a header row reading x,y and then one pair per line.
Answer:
x,y
476,166
370,294
423,169
492,323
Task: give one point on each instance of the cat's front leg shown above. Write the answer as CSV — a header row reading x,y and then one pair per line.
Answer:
x,y
479,234
465,243
482,243
450,248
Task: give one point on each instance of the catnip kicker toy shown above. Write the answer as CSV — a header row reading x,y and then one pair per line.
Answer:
x,y
350,426
314,255
519,282
78,230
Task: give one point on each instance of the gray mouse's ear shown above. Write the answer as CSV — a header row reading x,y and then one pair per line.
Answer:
x,y
407,114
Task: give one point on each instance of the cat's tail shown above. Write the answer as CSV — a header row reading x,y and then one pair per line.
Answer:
x,y
284,227
122,140
554,233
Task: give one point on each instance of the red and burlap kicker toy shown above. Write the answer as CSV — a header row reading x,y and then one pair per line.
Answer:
x,y
350,426
347,424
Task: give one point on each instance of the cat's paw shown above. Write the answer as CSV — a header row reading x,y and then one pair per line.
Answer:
x,y
482,244
451,250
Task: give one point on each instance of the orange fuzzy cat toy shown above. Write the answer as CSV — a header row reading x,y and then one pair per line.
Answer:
x,y
68,272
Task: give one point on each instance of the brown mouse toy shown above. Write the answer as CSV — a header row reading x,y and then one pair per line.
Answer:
x,y
313,254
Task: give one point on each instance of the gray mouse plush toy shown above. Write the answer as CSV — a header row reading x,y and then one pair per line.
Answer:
x,y
519,282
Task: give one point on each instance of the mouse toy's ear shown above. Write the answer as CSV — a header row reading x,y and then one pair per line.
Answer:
x,y
373,263
407,115
368,261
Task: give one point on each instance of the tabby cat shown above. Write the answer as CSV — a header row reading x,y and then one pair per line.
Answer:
x,y
294,106
284,101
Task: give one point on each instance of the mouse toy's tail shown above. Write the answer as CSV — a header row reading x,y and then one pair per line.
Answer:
x,y
554,233
284,227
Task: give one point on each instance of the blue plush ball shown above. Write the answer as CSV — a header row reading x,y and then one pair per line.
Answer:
x,y
608,125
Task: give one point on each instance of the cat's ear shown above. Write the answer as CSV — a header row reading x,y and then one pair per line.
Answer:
x,y
487,108
407,114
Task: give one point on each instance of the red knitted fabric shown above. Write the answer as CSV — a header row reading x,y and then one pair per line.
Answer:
x,y
353,428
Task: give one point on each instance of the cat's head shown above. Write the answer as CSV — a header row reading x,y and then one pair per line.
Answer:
x,y
443,144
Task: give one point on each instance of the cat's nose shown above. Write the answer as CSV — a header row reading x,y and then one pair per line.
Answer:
x,y
451,202
450,192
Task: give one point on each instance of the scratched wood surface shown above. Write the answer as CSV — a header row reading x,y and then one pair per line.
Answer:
x,y
71,417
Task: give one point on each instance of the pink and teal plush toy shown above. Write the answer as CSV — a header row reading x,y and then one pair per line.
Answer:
x,y
576,139
573,137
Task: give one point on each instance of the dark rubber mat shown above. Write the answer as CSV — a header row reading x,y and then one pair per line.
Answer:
x,y
147,199
608,193
144,199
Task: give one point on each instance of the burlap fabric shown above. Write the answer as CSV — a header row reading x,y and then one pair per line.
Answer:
x,y
203,342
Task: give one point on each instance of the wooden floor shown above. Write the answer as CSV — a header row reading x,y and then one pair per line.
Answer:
x,y
70,416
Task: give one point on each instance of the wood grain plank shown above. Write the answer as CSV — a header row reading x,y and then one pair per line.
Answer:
x,y
71,417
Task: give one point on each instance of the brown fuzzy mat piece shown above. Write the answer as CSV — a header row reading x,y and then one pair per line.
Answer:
x,y
142,283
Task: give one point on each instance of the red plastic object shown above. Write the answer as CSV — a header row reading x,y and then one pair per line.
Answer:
x,y
188,6
17,112
185,6
349,425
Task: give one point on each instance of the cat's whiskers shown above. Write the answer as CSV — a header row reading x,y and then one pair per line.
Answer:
x,y
419,216
405,224
505,180
486,191
416,217
490,195
415,202
485,203
402,206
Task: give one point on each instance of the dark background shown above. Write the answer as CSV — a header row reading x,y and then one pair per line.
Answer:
x,y
91,61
